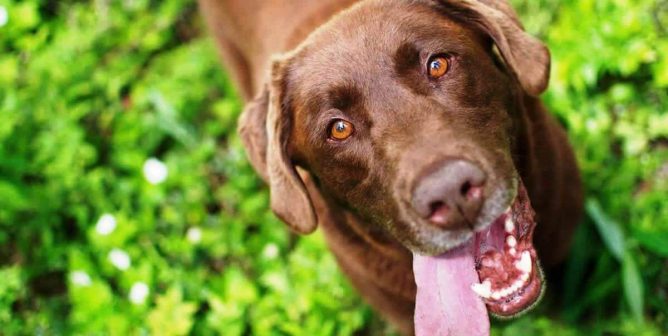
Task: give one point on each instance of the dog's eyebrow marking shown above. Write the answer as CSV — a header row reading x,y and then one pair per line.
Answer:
x,y
407,68
406,58
345,97
350,99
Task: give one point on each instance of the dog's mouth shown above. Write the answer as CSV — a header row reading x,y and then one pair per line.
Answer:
x,y
496,271
506,261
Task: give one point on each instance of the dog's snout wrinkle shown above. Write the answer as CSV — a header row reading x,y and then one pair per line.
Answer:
x,y
469,222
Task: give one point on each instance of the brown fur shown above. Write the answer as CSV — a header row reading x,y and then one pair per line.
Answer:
x,y
366,65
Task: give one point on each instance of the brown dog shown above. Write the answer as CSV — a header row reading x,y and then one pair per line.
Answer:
x,y
411,132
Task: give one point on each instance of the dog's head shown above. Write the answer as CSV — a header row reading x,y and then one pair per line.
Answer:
x,y
407,113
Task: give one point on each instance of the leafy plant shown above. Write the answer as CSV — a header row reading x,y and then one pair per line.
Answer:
x,y
127,205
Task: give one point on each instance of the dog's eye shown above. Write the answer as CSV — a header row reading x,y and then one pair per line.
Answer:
x,y
341,130
438,66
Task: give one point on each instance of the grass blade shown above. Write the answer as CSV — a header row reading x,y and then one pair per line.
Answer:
x,y
633,287
610,232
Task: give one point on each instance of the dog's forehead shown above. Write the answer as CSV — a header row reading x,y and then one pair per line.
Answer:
x,y
360,44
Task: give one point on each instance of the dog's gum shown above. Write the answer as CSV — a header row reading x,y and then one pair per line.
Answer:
x,y
505,274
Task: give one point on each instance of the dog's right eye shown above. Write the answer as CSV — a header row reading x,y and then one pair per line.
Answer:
x,y
341,130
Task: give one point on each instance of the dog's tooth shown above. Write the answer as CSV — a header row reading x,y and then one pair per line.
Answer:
x,y
507,291
514,287
509,225
524,264
484,289
525,278
511,241
496,295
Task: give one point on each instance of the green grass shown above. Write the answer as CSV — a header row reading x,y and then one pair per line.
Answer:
x,y
91,90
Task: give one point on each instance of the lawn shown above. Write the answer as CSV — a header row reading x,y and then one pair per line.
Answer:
x,y
128,207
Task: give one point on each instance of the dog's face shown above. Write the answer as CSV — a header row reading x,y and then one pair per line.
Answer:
x,y
375,120
403,113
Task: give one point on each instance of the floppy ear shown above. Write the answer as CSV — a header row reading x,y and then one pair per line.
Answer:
x,y
253,131
265,127
527,57
289,199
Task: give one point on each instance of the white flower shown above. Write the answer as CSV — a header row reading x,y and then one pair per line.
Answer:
x,y
106,224
194,235
138,293
270,251
155,171
80,278
120,259
4,16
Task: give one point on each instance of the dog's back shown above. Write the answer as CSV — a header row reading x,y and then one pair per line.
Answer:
x,y
249,32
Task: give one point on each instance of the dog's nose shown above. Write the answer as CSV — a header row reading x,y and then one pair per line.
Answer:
x,y
451,196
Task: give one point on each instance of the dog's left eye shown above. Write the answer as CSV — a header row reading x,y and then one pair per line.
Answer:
x,y
438,66
341,130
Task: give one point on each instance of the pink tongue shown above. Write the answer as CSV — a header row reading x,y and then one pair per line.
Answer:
x,y
445,303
